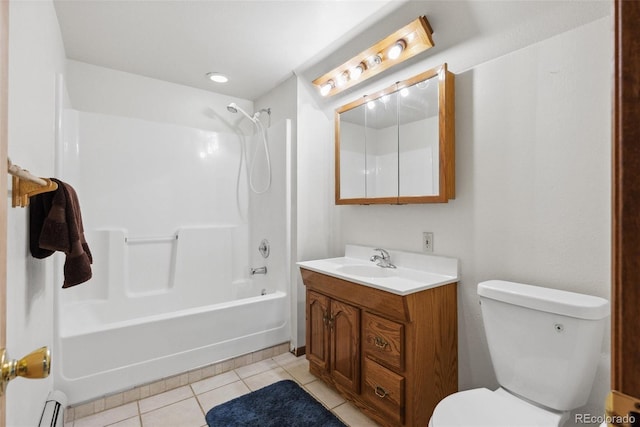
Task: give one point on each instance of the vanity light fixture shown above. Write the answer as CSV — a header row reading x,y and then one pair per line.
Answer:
x,y
403,44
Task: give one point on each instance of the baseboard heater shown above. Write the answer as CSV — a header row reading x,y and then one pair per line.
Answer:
x,y
53,412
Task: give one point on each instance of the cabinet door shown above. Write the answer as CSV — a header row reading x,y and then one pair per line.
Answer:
x,y
317,331
345,345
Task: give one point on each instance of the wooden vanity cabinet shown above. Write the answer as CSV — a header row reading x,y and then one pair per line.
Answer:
x,y
333,328
393,356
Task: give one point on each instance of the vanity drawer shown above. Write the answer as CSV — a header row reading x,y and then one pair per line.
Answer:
x,y
384,389
383,340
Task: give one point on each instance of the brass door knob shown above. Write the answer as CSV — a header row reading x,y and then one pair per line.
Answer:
x,y
36,364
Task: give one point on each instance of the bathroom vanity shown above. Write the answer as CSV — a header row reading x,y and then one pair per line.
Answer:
x,y
384,338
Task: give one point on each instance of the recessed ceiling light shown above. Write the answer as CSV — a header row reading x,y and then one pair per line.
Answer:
x,y
217,77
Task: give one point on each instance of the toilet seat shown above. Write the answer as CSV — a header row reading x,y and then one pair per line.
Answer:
x,y
483,407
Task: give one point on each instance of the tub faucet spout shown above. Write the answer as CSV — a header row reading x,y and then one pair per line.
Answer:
x,y
259,270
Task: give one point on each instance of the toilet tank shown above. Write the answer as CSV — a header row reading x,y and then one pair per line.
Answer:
x,y
544,343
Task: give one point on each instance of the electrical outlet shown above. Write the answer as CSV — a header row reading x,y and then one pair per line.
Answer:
x,y
427,241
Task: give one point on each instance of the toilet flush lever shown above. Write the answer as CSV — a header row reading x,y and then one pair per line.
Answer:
x,y
36,364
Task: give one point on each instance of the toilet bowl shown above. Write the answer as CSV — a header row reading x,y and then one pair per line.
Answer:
x,y
499,408
544,346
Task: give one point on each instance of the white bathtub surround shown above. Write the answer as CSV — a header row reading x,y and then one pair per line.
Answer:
x,y
168,219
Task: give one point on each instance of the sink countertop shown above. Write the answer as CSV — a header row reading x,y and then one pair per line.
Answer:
x,y
415,272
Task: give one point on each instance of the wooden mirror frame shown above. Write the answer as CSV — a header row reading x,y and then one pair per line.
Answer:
x,y
446,130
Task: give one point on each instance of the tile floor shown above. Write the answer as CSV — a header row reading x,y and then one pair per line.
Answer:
x,y
186,406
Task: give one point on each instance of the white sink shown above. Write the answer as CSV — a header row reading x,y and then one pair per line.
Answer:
x,y
415,271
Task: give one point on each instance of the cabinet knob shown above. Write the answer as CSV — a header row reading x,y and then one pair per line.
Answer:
x,y
36,364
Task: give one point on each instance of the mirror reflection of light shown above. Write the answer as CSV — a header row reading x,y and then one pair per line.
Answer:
x,y
385,98
404,92
371,105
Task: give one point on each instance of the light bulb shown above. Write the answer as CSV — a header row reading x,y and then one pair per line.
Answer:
x,y
374,60
326,88
404,92
396,49
371,105
343,79
357,71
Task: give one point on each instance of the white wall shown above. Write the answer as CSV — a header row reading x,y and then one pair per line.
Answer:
x,y
273,214
36,57
103,90
532,173
316,228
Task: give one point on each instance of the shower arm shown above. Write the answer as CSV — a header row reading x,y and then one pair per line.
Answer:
x,y
263,110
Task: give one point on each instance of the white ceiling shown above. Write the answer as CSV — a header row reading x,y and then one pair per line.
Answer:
x,y
258,44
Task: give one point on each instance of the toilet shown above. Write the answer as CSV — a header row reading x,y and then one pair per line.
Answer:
x,y
544,345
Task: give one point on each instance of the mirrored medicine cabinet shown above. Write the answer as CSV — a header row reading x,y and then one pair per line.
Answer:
x,y
397,145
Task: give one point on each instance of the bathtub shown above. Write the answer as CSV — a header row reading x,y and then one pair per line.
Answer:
x,y
114,334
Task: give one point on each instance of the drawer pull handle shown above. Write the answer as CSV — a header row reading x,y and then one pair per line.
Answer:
x,y
380,342
380,392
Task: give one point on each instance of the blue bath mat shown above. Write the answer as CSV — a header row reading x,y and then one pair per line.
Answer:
x,y
283,404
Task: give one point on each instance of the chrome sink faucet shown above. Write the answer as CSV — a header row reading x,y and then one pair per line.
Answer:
x,y
383,260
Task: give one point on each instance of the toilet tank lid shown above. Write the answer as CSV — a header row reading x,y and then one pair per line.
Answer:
x,y
545,299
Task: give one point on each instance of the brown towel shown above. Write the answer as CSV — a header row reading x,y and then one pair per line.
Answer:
x,y
39,207
62,231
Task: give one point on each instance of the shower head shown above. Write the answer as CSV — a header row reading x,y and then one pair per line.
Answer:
x,y
234,108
